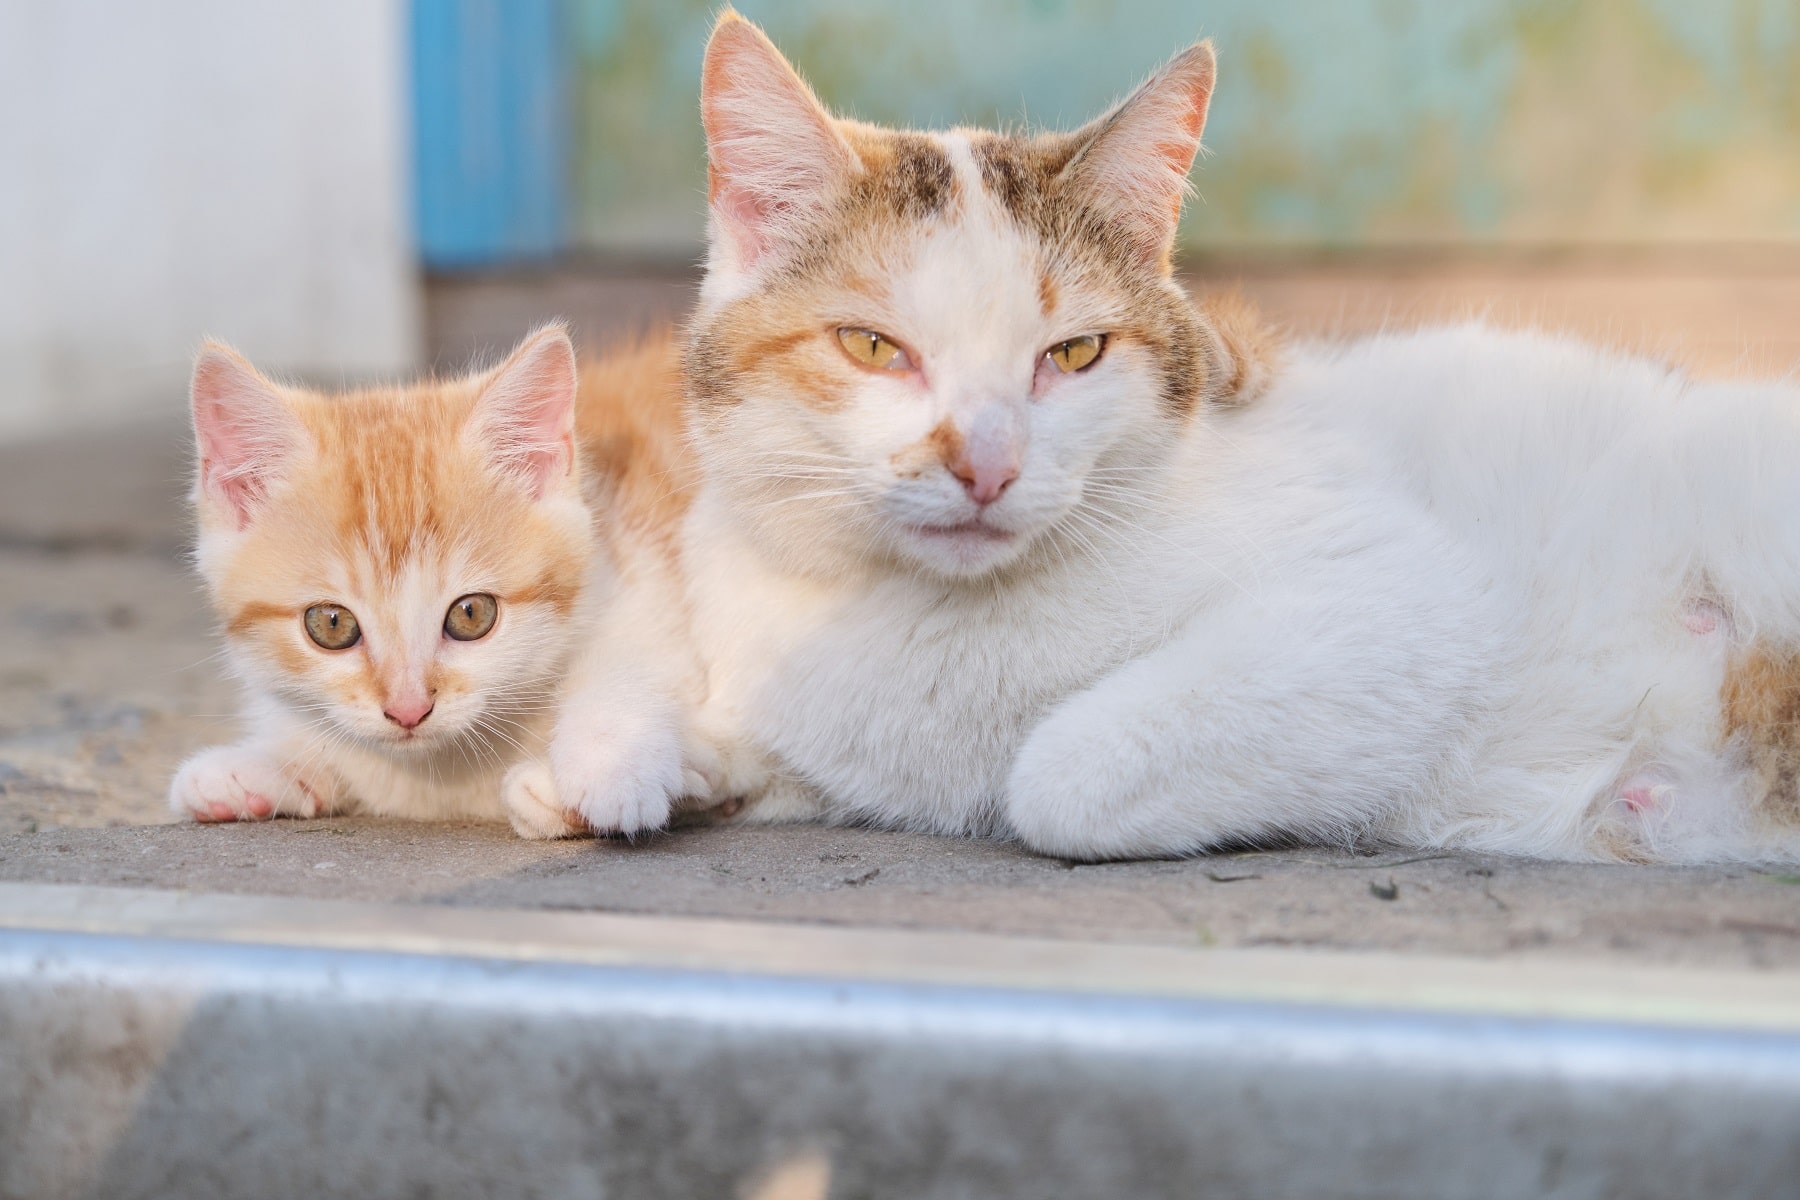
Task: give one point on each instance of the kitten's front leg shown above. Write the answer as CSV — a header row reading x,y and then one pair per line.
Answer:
x,y
251,781
533,805
1287,716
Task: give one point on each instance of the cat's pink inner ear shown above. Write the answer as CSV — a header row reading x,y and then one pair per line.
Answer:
x,y
525,418
1134,165
775,160
244,431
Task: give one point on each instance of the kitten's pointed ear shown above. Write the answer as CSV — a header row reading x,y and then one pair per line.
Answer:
x,y
775,159
244,430
524,420
1134,162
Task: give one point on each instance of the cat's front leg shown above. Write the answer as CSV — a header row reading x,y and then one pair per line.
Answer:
x,y
616,765
534,802
1288,716
251,781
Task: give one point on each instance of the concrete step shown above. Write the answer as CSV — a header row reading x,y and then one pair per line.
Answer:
x,y
158,1043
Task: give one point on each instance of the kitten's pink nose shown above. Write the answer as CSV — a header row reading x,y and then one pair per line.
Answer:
x,y
408,714
985,477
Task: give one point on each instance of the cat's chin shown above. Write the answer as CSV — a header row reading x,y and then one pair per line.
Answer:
x,y
415,745
966,549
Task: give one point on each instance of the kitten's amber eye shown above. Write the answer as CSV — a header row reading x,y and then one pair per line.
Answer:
x,y
332,626
871,349
1076,353
470,618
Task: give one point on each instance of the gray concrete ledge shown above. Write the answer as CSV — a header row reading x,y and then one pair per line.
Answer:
x,y
163,1045
1456,904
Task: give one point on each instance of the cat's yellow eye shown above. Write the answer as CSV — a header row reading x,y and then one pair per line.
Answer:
x,y
871,349
332,626
470,618
1077,353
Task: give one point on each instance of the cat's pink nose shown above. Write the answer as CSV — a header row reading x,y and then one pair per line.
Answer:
x,y
408,714
985,479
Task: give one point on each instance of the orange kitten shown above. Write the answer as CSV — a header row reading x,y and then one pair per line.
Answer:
x,y
401,572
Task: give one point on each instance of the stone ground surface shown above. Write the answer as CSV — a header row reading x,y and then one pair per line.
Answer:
x,y
108,677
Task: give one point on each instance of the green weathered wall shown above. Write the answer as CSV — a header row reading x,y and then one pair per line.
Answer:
x,y
1337,122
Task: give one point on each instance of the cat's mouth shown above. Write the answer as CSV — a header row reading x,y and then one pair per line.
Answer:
x,y
422,740
974,530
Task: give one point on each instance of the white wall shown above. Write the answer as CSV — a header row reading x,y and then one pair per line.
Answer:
x,y
236,168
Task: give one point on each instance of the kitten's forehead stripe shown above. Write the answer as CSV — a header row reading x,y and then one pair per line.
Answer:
x,y
254,613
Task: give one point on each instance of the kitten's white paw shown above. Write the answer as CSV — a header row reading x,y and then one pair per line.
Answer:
x,y
704,773
619,784
529,795
242,783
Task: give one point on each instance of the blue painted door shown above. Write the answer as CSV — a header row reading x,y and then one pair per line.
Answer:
x,y
491,130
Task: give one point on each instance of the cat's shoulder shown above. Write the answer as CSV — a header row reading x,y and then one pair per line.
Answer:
x,y
631,428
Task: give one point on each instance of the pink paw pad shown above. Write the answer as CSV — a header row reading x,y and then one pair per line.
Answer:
x,y
1702,617
1645,792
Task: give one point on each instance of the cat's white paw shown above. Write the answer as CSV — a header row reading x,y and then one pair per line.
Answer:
x,y
242,783
529,795
1051,797
619,784
1085,786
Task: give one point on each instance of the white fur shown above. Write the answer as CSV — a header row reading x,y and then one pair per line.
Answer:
x,y
1434,589
616,763
1451,588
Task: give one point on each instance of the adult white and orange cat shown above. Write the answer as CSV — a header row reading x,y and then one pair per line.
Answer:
x,y
988,539
408,577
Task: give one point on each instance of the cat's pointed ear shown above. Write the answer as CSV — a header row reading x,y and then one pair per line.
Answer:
x,y
524,420
775,159
1133,162
245,433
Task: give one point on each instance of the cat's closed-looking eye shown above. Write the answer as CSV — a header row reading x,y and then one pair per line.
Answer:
x,y
872,349
332,626
1077,353
471,617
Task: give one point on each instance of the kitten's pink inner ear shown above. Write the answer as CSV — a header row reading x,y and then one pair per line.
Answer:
x,y
775,160
525,418
243,428
1135,164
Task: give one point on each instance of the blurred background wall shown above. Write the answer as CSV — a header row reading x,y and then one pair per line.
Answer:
x,y
1337,123
187,167
302,177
